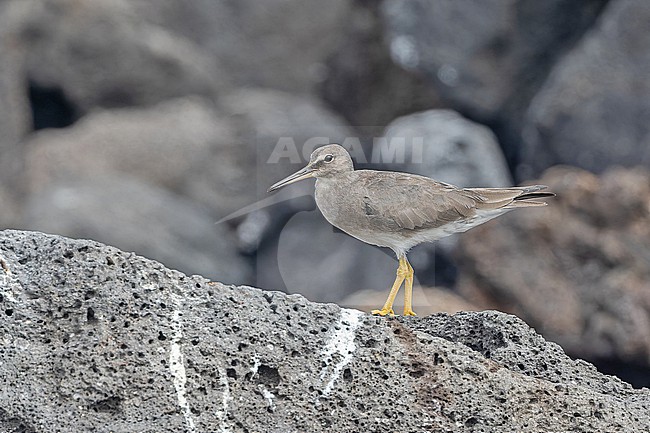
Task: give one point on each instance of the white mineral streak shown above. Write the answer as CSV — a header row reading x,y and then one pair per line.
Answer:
x,y
256,364
177,367
269,396
341,343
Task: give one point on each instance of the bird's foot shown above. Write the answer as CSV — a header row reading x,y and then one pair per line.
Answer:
x,y
383,312
409,312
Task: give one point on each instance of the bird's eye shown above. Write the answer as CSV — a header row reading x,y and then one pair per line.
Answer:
x,y
328,158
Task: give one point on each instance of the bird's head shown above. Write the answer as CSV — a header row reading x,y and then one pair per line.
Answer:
x,y
326,161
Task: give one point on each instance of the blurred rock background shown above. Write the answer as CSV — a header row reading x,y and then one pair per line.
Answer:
x,y
141,123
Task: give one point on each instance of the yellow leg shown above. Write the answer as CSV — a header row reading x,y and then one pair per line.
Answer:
x,y
408,291
402,273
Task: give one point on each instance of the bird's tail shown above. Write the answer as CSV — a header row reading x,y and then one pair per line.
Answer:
x,y
512,198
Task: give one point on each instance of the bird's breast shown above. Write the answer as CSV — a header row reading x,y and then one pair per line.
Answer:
x,y
342,204
336,206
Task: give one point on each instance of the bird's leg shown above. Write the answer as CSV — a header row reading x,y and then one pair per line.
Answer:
x,y
408,291
402,272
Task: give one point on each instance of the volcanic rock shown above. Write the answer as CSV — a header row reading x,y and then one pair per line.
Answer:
x,y
98,339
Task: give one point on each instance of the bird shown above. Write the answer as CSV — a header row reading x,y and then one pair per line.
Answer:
x,y
400,210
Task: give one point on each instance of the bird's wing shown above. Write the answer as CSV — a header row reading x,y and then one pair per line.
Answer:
x,y
411,201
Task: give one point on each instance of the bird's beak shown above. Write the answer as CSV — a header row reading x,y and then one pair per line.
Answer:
x,y
304,173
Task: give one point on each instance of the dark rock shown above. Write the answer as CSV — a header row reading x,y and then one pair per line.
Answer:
x,y
487,60
594,110
100,54
97,339
138,217
363,83
50,107
485,57
277,43
577,270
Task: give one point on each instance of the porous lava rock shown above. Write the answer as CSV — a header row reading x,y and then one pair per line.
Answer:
x,y
95,339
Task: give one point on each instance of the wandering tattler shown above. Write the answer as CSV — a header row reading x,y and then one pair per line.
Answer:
x,y
401,210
